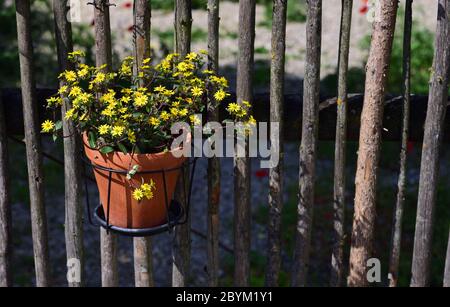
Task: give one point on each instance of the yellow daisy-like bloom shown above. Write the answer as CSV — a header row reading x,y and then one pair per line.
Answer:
x,y
140,100
174,111
125,99
54,101
109,112
47,126
183,112
63,89
138,194
131,136
168,93
75,91
70,76
160,88
191,56
82,73
70,114
99,78
146,61
194,120
117,131
233,108
220,95
148,188
164,115
196,91
104,129
154,121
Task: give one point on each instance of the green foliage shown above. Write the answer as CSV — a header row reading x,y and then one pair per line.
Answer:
x,y
296,11
168,5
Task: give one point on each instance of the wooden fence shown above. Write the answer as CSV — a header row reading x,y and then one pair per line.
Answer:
x,y
346,117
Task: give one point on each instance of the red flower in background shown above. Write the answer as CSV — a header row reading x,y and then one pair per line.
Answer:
x,y
364,7
127,5
410,146
261,173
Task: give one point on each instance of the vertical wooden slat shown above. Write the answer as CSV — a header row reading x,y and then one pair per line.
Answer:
x,y
429,168
369,141
242,194
308,147
340,147
33,145
214,162
143,267
276,116
398,213
72,176
103,55
5,209
182,242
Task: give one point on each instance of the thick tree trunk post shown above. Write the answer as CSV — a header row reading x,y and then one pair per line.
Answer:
x,y
242,194
394,257
429,168
72,176
181,251
447,265
5,209
143,267
276,116
33,145
369,141
214,162
308,147
103,55
337,265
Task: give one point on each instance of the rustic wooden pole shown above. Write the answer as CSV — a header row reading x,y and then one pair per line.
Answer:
x,y
33,145
242,193
214,162
429,168
369,141
103,55
308,147
5,209
143,267
72,175
181,250
276,116
337,265
394,257
447,265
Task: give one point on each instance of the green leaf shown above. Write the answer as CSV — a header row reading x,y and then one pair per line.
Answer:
x,y
92,140
122,148
55,137
106,149
58,125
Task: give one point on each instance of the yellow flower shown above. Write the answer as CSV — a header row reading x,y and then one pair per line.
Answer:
x,y
109,112
233,108
52,101
164,115
117,131
70,76
160,88
75,91
174,111
203,51
125,99
168,93
138,194
191,56
196,91
125,69
147,189
183,112
63,89
194,120
154,121
104,129
82,73
131,136
77,53
99,78
220,95
140,100
246,103
146,61
70,114
47,126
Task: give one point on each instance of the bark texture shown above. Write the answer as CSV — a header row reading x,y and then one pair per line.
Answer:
x,y
143,267
447,265
72,177
33,145
308,146
276,116
108,241
369,141
5,208
181,251
214,162
429,167
244,92
394,257
337,265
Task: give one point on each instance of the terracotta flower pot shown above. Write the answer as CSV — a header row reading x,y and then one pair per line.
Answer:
x,y
125,211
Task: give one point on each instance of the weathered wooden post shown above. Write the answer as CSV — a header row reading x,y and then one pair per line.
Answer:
x,y
103,55
242,195
33,145
340,147
214,162
72,176
429,168
308,147
369,141
276,137
181,249
143,267
447,265
394,258
5,207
